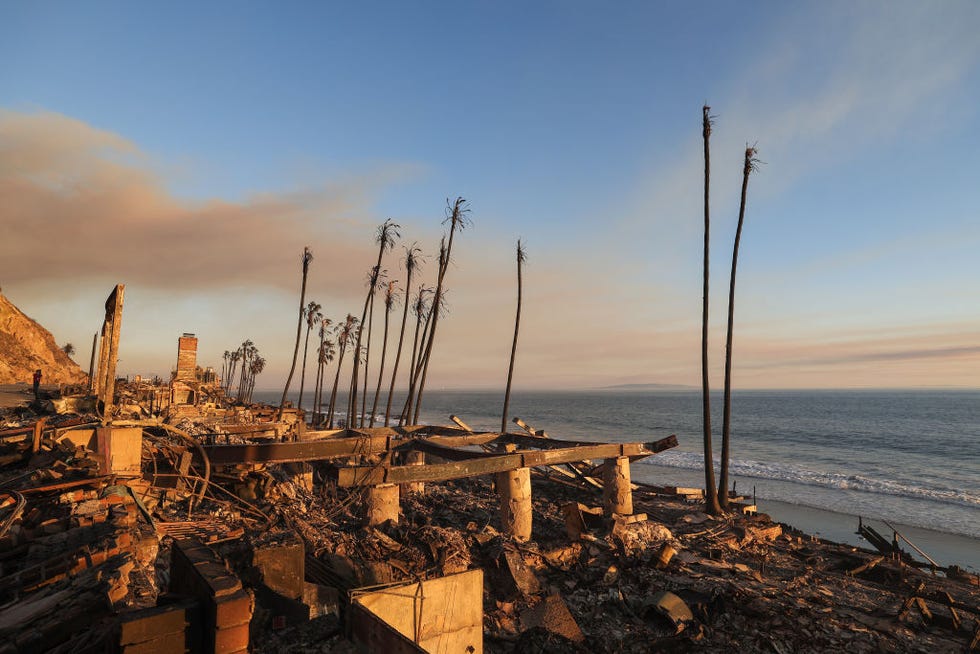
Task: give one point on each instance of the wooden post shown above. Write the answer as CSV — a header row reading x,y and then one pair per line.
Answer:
x,y
514,488
617,493
91,364
459,422
414,458
38,430
382,504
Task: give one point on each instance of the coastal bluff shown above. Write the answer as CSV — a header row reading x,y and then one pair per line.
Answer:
x,y
26,346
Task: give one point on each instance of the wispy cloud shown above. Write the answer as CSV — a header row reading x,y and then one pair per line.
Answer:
x,y
834,80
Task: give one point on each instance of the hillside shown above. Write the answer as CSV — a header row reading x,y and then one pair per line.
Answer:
x,y
25,346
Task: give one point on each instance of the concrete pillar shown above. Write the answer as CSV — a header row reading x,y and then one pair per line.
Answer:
x,y
414,458
617,493
514,488
301,474
382,503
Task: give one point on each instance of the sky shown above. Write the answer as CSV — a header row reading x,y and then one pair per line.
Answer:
x,y
191,150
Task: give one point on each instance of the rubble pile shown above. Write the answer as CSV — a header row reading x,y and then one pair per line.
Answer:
x,y
124,537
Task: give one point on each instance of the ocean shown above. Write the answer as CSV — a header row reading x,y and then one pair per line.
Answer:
x,y
911,458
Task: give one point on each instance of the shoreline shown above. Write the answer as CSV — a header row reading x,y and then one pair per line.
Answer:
x,y
946,548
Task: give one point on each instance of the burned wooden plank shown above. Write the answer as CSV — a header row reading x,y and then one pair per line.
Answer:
x,y
474,464
436,447
539,442
482,438
866,566
374,475
331,448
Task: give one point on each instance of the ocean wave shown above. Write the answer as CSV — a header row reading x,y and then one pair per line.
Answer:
x,y
799,475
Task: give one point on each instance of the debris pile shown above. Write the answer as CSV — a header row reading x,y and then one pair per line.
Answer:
x,y
226,530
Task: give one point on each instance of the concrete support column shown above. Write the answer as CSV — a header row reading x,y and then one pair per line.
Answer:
x,y
414,458
617,492
514,488
301,473
382,504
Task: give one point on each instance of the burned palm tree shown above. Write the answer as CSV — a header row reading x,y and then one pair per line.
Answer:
x,y
379,282
233,360
458,220
417,356
710,492
318,381
249,352
224,366
256,366
750,164
521,260
327,352
423,311
385,238
313,316
345,333
413,257
389,303
307,258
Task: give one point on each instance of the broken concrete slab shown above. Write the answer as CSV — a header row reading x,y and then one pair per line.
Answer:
x,y
552,614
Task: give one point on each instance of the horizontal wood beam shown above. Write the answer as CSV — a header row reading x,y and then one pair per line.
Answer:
x,y
329,448
460,441
473,464
449,453
374,475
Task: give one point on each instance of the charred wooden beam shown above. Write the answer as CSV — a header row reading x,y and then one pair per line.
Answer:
x,y
462,441
525,441
332,448
375,475
473,464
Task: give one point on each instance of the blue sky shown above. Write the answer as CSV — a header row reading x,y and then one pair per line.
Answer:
x,y
574,126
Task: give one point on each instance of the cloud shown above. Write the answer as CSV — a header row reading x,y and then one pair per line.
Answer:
x,y
817,90
82,203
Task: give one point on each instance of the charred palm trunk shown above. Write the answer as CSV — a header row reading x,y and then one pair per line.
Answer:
x,y
457,221
302,375
419,360
521,257
336,381
387,233
409,267
710,492
318,384
409,401
367,360
727,416
241,380
307,258
381,367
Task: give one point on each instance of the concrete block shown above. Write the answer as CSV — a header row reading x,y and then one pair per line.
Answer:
x,y
282,564
147,624
233,610
232,639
